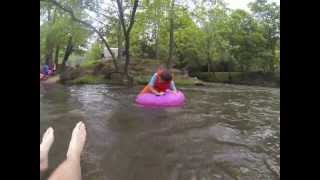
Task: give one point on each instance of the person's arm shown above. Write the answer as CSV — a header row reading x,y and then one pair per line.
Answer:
x,y
151,84
155,91
173,87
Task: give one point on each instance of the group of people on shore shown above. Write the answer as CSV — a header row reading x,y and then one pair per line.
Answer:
x,y
46,71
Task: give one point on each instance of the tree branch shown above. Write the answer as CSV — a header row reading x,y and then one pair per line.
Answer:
x,y
120,10
69,10
132,16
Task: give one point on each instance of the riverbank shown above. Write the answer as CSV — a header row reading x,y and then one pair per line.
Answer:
x,y
97,72
242,78
52,79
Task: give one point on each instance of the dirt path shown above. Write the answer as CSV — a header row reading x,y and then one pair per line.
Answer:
x,y
52,79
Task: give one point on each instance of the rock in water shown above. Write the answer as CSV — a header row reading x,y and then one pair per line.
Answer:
x,y
273,167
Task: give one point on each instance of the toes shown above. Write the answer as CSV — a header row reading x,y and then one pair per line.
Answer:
x,y
47,134
48,137
76,128
79,124
82,127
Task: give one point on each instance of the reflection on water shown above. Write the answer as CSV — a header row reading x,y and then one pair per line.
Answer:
x,y
223,132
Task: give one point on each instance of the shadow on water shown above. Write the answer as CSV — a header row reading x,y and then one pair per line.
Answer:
x,y
223,132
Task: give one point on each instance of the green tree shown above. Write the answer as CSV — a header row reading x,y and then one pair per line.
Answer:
x,y
245,39
268,15
188,39
95,51
126,29
76,9
60,32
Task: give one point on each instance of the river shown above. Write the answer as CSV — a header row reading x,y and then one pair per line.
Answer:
x,y
223,132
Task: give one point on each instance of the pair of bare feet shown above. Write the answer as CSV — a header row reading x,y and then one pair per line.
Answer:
x,y
76,144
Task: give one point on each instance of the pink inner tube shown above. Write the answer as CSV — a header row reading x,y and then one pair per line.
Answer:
x,y
168,100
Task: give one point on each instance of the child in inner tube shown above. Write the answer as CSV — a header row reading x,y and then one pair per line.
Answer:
x,y
160,83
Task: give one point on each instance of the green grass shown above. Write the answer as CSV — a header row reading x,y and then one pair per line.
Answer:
x,y
221,76
250,78
184,82
224,76
89,64
142,80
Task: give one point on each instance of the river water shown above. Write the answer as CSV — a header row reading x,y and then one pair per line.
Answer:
x,y
223,132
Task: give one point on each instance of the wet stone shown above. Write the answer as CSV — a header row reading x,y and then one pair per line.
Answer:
x,y
273,166
244,170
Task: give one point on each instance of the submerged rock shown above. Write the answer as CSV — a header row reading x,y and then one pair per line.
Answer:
x,y
226,134
273,167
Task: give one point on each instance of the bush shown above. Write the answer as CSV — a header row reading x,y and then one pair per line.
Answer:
x,y
220,76
142,80
249,78
89,64
95,52
69,73
184,82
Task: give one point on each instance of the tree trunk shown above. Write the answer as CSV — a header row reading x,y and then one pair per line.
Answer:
x,y
127,59
49,48
241,68
49,14
67,53
49,56
126,33
272,69
208,60
229,76
171,36
119,42
157,50
70,11
170,49
211,74
127,54
56,57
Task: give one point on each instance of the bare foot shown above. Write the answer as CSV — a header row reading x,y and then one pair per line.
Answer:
x,y
77,141
45,145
